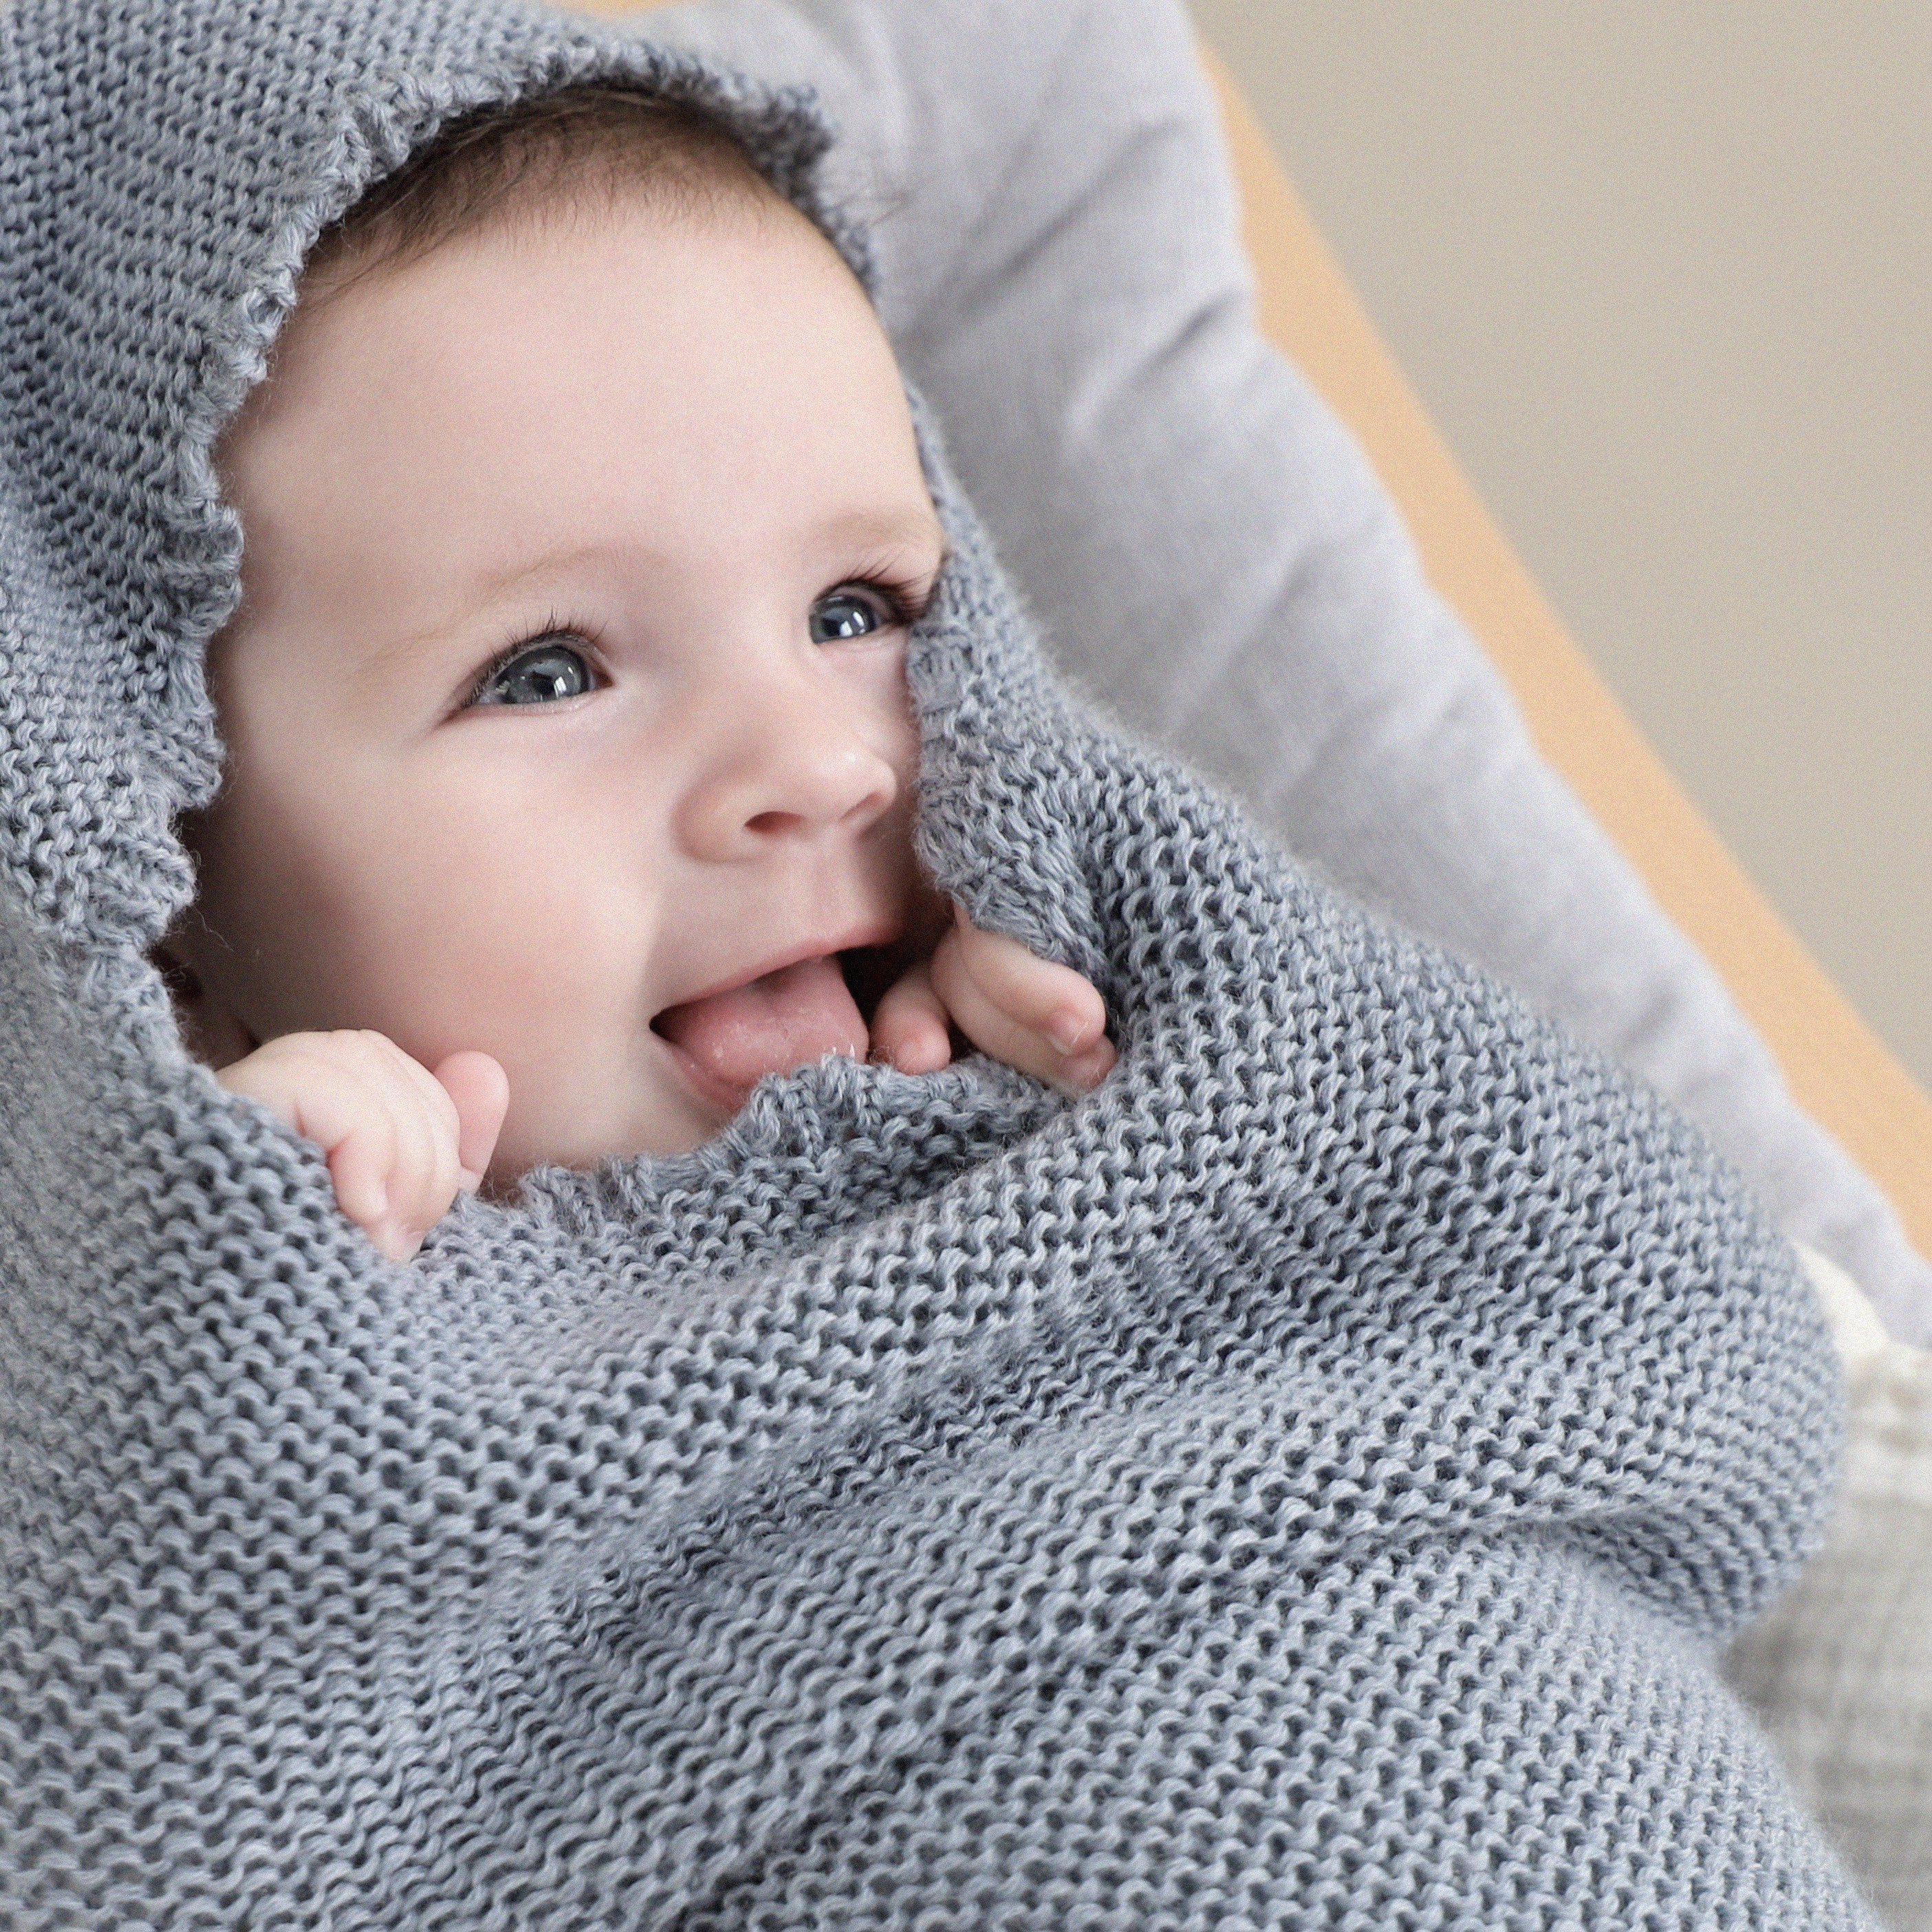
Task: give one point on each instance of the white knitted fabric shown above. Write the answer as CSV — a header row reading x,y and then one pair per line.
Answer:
x,y
1841,1670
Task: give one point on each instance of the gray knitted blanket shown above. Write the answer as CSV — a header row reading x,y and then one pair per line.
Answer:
x,y
1301,1484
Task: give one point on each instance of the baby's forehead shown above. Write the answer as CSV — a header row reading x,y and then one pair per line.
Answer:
x,y
619,408
388,257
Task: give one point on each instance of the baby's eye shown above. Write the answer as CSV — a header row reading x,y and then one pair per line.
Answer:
x,y
849,611
543,672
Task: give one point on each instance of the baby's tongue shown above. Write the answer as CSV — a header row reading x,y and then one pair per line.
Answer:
x,y
788,1019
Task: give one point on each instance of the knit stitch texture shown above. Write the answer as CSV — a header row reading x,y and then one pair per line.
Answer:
x,y
1301,1484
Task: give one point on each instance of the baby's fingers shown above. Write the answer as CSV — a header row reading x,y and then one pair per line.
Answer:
x,y
1045,1019
425,1162
317,1085
388,1129
910,1028
481,1090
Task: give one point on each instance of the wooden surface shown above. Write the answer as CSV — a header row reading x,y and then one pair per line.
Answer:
x,y
1841,1072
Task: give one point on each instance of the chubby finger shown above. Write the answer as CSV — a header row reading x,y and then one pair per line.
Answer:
x,y
1020,1009
425,1171
410,1127
480,1090
909,1027
1063,1007
319,1086
387,1129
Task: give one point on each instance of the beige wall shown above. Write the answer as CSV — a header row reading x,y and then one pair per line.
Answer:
x,y
1663,272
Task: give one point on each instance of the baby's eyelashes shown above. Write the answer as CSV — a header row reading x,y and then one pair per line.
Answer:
x,y
862,606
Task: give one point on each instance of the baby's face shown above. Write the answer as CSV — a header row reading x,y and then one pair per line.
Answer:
x,y
566,704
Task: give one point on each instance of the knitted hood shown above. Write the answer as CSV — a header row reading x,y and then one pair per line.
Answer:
x,y
1302,1484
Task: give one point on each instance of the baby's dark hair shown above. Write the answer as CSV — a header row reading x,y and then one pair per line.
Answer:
x,y
599,139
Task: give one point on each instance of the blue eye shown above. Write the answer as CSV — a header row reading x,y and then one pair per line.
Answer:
x,y
544,672
843,613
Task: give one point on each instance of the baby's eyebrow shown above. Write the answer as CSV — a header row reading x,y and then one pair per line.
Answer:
x,y
452,628
908,529
495,586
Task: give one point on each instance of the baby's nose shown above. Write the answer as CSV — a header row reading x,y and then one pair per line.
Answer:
x,y
787,771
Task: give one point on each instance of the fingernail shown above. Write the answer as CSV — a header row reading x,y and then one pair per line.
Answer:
x,y
1068,1030
1092,1067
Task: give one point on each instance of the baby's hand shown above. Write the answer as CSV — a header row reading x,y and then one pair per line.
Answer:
x,y
400,1140
1045,1019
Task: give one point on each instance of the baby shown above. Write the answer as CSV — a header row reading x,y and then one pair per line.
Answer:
x,y
1305,1482
571,772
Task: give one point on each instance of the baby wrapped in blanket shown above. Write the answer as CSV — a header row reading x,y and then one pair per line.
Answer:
x,y
1300,1481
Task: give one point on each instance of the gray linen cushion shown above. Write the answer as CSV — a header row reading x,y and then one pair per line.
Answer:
x,y
1840,1670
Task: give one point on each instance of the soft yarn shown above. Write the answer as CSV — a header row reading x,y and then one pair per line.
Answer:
x,y
1301,1485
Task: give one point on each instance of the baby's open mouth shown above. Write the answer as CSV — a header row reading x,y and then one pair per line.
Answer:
x,y
783,1019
